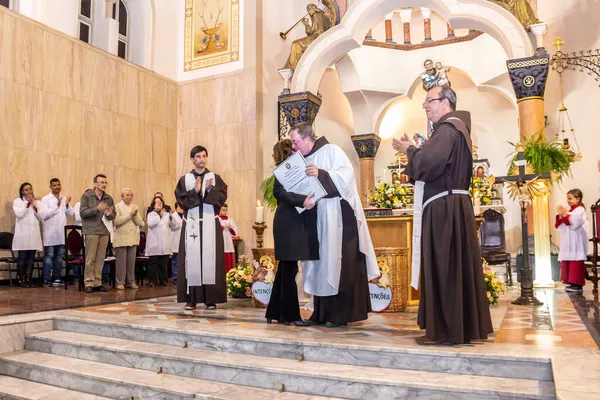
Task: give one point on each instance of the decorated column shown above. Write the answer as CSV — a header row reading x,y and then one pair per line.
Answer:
x,y
388,28
366,145
427,20
405,16
295,108
528,77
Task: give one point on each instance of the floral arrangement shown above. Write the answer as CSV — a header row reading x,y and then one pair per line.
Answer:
x,y
266,188
494,286
392,195
483,190
239,280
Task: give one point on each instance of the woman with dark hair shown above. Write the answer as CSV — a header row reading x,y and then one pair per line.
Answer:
x,y
28,238
292,243
159,245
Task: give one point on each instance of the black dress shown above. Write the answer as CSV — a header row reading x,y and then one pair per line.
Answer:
x,y
293,242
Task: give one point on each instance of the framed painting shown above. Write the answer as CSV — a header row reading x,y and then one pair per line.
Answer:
x,y
212,33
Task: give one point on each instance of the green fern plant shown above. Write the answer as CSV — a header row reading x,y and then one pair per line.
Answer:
x,y
544,156
266,188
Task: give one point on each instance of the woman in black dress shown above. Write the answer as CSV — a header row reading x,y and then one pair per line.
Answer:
x,y
292,243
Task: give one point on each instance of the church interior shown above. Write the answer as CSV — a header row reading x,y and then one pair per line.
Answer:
x,y
123,89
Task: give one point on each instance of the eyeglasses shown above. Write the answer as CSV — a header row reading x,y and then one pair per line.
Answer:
x,y
427,101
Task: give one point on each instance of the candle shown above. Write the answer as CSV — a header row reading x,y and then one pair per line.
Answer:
x,y
383,176
260,213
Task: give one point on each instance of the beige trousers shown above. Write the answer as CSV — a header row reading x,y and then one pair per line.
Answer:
x,y
125,264
95,252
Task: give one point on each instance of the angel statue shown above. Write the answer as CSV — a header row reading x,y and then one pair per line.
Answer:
x,y
521,9
320,21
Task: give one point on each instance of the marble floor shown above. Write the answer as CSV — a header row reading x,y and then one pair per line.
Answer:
x,y
17,300
562,321
563,333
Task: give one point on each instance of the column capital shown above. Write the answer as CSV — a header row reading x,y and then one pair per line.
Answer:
x,y
426,12
388,17
298,107
406,15
528,76
366,145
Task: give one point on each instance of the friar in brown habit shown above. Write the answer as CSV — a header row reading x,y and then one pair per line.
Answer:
x,y
201,194
453,306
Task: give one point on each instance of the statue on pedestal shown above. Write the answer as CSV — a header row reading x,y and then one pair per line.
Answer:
x,y
320,21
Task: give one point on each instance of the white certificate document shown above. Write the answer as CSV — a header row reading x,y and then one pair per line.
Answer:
x,y
292,175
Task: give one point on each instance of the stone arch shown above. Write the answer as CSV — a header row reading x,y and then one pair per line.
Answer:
x,y
482,15
484,88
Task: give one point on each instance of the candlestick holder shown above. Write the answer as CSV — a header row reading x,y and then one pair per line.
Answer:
x,y
259,227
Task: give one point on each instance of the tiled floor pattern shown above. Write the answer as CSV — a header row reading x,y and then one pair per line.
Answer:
x,y
556,323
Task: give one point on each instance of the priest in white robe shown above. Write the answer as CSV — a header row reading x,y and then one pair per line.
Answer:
x,y
201,194
339,279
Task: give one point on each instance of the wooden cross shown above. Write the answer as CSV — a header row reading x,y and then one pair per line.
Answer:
x,y
527,296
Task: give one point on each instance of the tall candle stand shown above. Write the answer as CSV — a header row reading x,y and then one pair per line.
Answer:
x,y
259,227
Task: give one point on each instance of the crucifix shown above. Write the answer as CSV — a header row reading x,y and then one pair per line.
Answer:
x,y
523,186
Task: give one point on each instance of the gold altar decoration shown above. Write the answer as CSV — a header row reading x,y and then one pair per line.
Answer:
x,y
587,61
320,21
212,34
394,260
521,9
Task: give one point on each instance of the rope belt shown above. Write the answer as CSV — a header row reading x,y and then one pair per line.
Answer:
x,y
418,209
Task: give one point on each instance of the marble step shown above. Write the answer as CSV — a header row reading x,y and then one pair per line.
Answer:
x,y
307,377
410,358
127,383
21,389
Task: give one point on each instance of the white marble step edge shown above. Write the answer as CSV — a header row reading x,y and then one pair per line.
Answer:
x,y
436,351
20,389
276,369
120,382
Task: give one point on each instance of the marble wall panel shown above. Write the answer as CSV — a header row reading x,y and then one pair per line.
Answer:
x,y
71,111
21,52
57,75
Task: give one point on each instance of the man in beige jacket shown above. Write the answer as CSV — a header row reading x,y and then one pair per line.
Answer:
x,y
126,239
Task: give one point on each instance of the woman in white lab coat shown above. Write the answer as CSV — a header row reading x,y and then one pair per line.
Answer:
x,y
159,243
28,237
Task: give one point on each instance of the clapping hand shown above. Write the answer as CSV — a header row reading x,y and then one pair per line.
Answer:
x,y
308,202
134,213
198,185
102,206
68,201
401,145
561,210
108,211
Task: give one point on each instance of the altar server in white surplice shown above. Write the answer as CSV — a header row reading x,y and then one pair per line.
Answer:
x,y
339,279
201,194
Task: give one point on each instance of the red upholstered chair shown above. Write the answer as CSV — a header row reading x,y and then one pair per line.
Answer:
x,y
593,258
74,252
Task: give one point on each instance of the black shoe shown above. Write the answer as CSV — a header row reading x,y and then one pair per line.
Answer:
x,y
331,324
164,284
190,306
101,289
211,306
59,282
303,323
89,289
150,284
48,284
